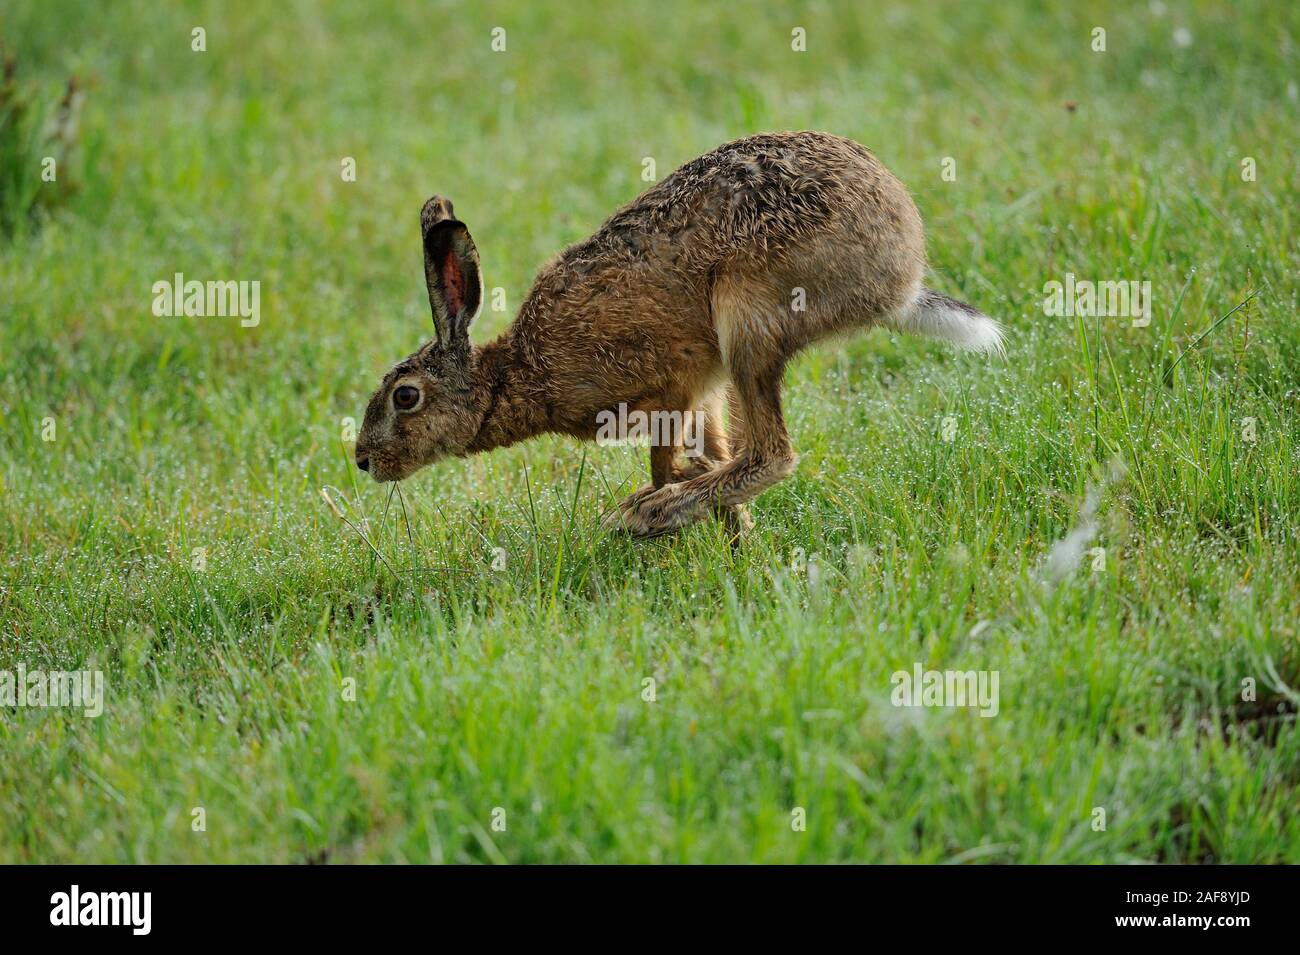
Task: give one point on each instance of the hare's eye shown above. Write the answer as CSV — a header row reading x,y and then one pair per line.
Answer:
x,y
406,397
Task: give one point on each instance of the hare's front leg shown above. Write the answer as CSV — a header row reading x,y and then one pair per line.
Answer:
x,y
682,462
765,459
661,473
666,469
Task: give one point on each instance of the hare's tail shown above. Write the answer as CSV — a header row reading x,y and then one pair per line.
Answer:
x,y
942,317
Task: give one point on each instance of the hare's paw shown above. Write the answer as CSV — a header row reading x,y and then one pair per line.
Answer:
x,y
611,520
652,513
616,520
736,521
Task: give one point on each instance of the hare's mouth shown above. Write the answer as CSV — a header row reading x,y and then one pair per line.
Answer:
x,y
385,473
380,471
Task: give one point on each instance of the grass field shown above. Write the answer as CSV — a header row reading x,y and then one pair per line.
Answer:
x,y
161,521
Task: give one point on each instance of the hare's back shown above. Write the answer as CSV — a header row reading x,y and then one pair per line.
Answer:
x,y
756,195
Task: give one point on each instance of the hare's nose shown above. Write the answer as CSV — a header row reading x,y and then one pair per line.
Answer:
x,y
363,464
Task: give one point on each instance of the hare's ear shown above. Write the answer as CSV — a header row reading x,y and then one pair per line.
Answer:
x,y
451,271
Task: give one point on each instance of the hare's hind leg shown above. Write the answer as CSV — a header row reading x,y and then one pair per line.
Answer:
x,y
735,422
752,352
718,450
707,447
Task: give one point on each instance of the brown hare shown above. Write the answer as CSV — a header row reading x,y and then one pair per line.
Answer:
x,y
702,287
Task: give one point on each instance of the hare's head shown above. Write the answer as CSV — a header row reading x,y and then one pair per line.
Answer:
x,y
424,408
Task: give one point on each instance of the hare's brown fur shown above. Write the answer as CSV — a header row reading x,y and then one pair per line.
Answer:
x,y
704,285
